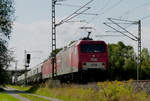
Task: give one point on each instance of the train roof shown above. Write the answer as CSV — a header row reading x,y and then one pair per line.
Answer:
x,y
87,41
76,43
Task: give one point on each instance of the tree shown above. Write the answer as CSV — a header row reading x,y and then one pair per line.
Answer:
x,y
145,68
71,42
6,23
5,58
145,57
6,17
122,60
53,53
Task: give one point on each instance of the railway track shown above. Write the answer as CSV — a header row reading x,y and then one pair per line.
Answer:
x,y
139,85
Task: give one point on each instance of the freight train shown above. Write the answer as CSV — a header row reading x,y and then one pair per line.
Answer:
x,y
84,60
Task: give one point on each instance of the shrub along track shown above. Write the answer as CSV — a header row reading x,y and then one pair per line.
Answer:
x,y
138,85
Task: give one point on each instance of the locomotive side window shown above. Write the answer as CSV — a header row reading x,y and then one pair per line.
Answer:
x,y
92,48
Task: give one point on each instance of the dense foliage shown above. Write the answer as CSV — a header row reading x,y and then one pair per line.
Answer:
x,y
6,19
123,65
6,16
145,70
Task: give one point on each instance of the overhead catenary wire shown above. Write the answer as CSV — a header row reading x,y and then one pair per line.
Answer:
x,y
74,6
131,22
135,8
122,27
74,13
95,15
119,31
76,21
87,13
114,31
120,23
113,6
109,35
69,5
105,11
146,17
136,38
105,5
123,22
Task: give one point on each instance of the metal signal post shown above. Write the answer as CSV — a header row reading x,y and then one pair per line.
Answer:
x,y
139,51
25,65
53,39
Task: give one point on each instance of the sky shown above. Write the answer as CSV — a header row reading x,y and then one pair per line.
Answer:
x,y
32,27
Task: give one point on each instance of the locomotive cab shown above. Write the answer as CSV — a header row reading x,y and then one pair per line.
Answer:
x,y
93,58
93,54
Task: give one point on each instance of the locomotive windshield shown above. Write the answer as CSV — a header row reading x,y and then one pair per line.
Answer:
x,y
92,48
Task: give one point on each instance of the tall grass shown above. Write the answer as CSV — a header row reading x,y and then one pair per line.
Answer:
x,y
102,91
119,91
22,87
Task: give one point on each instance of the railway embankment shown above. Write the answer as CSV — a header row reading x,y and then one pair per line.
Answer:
x,y
101,91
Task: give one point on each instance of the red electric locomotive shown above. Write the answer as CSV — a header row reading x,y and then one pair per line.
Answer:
x,y
84,60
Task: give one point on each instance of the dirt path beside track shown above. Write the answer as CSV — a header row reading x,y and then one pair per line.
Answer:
x,y
15,93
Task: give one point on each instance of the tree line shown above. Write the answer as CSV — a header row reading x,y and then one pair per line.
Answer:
x,y
6,23
123,62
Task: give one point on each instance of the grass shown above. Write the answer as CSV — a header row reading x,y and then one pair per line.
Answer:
x,y
33,98
105,91
24,88
6,97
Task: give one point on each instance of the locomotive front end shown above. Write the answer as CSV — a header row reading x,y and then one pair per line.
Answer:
x,y
93,58
93,54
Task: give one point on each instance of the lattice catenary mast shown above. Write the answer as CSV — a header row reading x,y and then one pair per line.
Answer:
x,y
132,37
54,72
